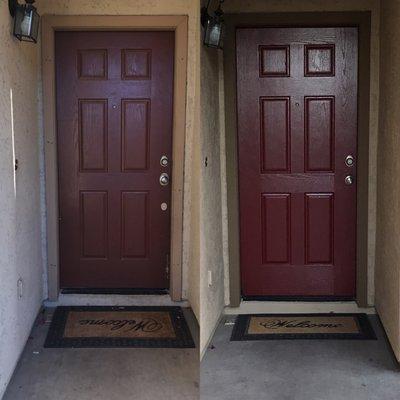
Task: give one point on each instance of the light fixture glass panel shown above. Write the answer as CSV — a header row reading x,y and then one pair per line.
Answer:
x,y
213,35
26,23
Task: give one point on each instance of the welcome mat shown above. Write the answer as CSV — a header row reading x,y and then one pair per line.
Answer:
x,y
302,326
119,327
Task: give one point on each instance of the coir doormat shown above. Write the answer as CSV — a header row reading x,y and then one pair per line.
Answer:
x,y
302,326
119,327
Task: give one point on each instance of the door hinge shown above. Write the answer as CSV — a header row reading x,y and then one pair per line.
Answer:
x,y
167,265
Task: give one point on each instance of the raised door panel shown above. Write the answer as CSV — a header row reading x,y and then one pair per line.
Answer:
x,y
275,134
135,224
135,134
92,64
319,121
275,228
93,134
319,60
319,226
94,224
136,64
274,61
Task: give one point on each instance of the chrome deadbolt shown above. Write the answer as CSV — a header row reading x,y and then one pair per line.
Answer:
x,y
164,179
164,161
349,160
349,180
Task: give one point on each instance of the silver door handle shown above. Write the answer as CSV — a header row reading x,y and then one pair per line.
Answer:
x,y
349,180
164,179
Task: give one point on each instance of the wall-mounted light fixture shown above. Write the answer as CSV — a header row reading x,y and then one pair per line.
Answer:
x,y
26,20
213,25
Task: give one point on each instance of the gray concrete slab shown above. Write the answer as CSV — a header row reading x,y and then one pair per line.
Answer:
x,y
299,369
104,374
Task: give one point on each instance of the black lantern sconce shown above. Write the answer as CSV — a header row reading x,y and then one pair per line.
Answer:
x,y
214,27
26,20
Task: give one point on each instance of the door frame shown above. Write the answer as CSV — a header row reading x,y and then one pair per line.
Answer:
x,y
361,20
53,23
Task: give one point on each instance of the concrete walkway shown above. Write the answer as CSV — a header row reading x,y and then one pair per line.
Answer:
x,y
104,374
299,369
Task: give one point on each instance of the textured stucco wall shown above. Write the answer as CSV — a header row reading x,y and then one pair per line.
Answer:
x,y
20,221
162,7
388,216
270,6
211,239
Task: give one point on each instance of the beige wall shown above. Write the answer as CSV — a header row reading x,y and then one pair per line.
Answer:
x,y
388,226
193,243
211,242
20,219
256,6
161,7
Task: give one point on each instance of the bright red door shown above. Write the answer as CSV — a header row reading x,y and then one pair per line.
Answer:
x,y
114,125
297,138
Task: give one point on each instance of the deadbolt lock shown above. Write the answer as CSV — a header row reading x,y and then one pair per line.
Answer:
x,y
349,160
164,161
164,179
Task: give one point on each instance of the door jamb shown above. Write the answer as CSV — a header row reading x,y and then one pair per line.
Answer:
x,y
362,20
176,23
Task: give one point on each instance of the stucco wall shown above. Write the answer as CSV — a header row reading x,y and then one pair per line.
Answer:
x,y
20,222
388,221
161,7
270,6
211,239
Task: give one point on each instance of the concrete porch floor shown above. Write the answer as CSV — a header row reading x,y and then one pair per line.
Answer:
x,y
104,374
299,369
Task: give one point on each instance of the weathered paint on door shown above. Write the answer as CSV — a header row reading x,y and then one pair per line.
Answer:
x,y
114,123
297,123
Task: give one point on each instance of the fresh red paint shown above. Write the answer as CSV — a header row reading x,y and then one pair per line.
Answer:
x,y
297,123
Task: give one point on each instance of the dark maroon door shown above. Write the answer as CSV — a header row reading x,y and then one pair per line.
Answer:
x,y
297,127
114,123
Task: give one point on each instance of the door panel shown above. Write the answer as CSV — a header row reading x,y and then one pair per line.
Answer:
x,y
297,122
114,123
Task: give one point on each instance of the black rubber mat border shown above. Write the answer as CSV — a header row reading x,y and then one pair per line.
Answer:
x,y
240,330
55,337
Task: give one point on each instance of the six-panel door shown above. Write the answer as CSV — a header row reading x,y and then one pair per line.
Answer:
x,y
114,123
297,124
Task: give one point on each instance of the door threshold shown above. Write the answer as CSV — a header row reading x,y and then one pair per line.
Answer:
x,y
85,299
299,298
137,291
291,307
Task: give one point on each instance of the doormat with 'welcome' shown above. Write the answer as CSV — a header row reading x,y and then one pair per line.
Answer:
x,y
119,327
302,326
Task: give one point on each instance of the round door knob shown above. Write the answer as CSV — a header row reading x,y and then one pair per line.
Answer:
x,y
164,179
349,180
